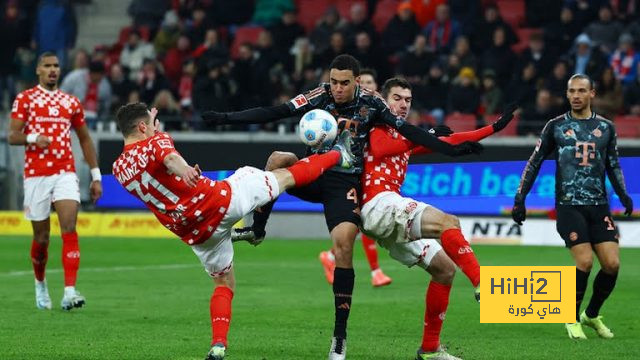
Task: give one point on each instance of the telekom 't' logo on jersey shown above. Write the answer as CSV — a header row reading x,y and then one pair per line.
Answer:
x,y
585,150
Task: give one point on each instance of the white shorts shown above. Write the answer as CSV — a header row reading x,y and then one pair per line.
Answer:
x,y
41,191
250,189
394,222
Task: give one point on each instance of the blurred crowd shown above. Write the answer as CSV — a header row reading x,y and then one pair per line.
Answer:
x,y
461,57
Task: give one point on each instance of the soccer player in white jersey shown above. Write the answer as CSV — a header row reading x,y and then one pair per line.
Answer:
x,y
199,210
41,119
407,228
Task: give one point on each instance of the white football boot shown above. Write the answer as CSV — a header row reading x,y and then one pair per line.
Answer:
x,y
72,298
43,301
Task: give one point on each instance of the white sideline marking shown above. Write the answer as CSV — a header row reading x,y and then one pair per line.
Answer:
x,y
114,268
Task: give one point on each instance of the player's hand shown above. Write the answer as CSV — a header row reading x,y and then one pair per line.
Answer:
x,y
191,176
43,141
95,190
505,119
628,205
153,113
441,130
519,212
467,147
197,168
214,117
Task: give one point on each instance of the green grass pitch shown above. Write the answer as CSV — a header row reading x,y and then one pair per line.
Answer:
x,y
149,299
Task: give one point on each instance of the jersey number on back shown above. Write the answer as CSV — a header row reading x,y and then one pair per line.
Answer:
x,y
147,180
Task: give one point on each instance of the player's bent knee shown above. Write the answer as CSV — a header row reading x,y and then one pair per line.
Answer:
x,y
450,222
280,159
584,265
226,279
611,267
442,268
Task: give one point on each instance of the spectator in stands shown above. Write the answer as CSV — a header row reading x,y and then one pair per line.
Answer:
x,y
625,10
605,32
632,95
337,46
167,36
425,10
453,66
286,31
464,96
466,13
269,63
556,83
121,86
168,110
197,26
442,31
213,91
302,55
609,101
10,27
211,51
185,86
625,59
93,90
561,34
148,13
56,29
81,59
463,51
151,81
483,33
269,12
224,13
135,51
541,12
585,11
492,98
358,23
174,59
401,30
633,27
586,58
534,117
538,54
415,62
499,57
321,35
370,55
245,76
523,87
433,96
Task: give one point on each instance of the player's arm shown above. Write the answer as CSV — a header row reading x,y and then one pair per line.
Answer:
x,y
177,165
545,146
18,137
614,171
89,152
458,138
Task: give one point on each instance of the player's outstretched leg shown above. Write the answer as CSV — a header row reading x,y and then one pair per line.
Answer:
x,y
437,224
378,278
220,311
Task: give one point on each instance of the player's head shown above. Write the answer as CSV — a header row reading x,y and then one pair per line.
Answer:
x,y
580,91
344,73
135,120
397,92
368,79
48,70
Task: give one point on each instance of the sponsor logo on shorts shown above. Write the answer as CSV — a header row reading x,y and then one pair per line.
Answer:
x,y
411,207
573,236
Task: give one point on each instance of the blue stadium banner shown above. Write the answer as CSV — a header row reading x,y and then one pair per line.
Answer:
x,y
476,188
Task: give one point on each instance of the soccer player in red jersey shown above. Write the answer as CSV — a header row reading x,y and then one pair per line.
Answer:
x,y
41,119
202,211
407,228
327,258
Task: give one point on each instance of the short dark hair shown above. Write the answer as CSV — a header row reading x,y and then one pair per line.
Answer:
x,y
585,77
393,82
96,67
346,62
367,71
45,54
128,117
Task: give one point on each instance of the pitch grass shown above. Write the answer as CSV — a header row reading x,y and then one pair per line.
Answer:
x,y
149,299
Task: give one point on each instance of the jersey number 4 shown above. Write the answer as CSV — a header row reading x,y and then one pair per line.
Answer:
x,y
148,180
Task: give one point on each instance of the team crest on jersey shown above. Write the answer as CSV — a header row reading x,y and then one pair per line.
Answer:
x,y
364,111
597,133
65,103
299,101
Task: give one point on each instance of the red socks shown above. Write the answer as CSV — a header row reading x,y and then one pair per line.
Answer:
x,y
458,249
310,168
220,309
437,302
370,250
70,257
39,256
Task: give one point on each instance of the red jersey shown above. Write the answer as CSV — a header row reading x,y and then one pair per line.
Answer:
x,y
387,153
192,213
53,114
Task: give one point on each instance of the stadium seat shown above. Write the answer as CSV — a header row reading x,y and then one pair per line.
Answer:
x,y
310,11
244,34
385,11
510,130
627,126
512,11
145,33
523,39
461,122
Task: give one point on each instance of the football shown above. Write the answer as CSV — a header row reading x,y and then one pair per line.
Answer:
x,y
318,128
